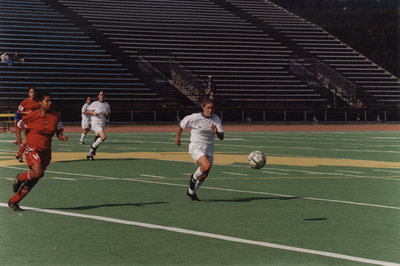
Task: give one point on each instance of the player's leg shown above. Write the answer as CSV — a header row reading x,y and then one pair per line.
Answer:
x,y
101,138
83,136
202,171
24,183
21,151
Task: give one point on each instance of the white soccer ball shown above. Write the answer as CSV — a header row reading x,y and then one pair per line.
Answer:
x,y
257,159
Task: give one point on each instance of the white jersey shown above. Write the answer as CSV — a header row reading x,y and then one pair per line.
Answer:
x,y
200,127
85,118
101,108
83,110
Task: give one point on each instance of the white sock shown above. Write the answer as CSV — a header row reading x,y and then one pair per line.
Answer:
x,y
198,185
83,136
197,174
97,143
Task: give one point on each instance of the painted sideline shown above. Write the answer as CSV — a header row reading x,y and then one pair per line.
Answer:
x,y
211,235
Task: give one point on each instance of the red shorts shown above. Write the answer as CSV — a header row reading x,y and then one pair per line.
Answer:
x,y
33,157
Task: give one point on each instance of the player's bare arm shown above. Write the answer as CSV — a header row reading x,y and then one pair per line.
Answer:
x,y
178,136
220,135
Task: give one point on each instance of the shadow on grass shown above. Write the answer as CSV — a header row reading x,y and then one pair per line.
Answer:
x,y
251,199
88,207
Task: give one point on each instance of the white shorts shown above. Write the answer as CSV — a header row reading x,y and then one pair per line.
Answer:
x,y
197,150
98,126
85,123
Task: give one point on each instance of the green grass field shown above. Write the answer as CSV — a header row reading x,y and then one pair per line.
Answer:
x,y
324,198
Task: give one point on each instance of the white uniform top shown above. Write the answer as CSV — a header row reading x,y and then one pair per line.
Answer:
x,y
101,108
200,127
83,110
85,118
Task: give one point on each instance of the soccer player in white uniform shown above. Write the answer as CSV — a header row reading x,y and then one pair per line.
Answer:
x,y
85,123
202,126
100,114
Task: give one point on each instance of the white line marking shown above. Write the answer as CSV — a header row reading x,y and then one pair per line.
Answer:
x,y
389,171
156,176
224,189
230,173
63,178
211,235
275,173
351,172
317,173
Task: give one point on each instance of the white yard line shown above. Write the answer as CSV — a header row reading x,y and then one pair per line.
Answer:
x,y
274,173
212,235
388,171
156,176
231,173
351,172
225,189
63,178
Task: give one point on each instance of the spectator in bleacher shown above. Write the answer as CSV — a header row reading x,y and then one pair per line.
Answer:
x,y
40,127
26,107
6,59
17,58
85,123
100,117
210,89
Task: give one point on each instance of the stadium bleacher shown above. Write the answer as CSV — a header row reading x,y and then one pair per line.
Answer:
x,y
376,86
76,47
59,57
248,64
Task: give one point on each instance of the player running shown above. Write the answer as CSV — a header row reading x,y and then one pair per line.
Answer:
x,y
26,107
85,123
40,127
100,114
202,126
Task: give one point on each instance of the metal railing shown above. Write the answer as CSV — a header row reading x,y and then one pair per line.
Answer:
x,y
186,82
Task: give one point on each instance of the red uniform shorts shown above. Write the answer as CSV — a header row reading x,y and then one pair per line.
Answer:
x,y
33,157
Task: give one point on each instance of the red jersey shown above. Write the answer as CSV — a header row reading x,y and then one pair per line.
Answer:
x,y
39,130
28,105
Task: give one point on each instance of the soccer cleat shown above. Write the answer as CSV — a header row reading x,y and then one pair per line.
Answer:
x,y
14,206
19,158
81,142
192,196
17,184
90,157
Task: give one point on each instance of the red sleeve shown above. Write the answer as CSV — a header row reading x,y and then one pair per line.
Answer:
x,y
25,120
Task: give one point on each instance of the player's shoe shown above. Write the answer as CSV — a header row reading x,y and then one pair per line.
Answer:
x,y
90,157
19,158
14,206
192,196
17,184
81,142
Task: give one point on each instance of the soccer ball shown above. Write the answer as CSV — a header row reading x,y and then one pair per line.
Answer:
x,y
257,159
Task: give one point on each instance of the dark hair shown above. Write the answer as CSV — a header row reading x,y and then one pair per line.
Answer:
x,y
206,101
41,94
31,87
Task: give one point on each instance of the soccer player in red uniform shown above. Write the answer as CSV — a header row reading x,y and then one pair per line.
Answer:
x,y
40,127
27,106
